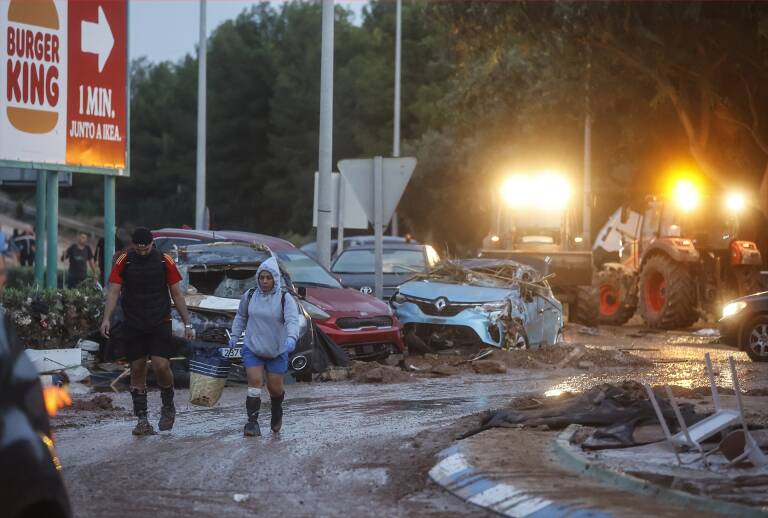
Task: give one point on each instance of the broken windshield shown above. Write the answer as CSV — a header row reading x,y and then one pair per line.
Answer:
x,y
484,273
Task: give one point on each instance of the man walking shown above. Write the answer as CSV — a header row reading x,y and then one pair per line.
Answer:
x,y
80,259
144,276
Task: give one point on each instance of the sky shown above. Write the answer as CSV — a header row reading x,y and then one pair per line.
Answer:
x,y
166,30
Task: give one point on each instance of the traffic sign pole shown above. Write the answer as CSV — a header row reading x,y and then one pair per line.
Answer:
x,y
396,117
42,178
340,214
52,234
378,226
109,227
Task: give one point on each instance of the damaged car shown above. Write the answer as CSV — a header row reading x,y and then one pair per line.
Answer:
x,y
214,278
493,302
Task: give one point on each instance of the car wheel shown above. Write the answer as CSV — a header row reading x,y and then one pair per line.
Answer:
x,y
755,339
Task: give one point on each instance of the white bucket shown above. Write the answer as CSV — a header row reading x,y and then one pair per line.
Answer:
x,y
89,353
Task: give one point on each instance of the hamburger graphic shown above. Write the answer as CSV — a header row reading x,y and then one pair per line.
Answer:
x,y
33,61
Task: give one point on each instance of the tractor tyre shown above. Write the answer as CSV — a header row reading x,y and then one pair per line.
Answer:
x,y
585,310
667,294
747,280
618,298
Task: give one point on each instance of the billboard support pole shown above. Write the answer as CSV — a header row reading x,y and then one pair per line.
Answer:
x,y
325,151
109,227
200,198
52,234
42,177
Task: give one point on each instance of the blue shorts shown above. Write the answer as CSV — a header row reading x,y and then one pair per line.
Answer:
x,y
277,365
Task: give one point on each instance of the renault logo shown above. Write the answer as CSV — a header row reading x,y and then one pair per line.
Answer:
x,y
366,289
441,303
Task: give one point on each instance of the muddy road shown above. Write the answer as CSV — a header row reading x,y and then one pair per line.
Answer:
x,y
346,448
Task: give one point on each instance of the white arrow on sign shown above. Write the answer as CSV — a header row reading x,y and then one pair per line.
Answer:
x,y
396,172
96,38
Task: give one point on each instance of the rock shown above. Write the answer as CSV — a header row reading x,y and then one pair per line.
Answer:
x,y
489,367
445,370
585,364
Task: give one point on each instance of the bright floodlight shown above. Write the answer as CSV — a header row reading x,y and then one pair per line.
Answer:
x,y
516,190
542,191
686,195
735,202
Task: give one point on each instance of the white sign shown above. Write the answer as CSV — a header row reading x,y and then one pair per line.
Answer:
x,y
396,172
351,210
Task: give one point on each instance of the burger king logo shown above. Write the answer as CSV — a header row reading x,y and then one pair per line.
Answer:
x,y
33,51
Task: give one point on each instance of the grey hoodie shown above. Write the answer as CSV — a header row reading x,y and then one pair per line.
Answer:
x,y
268,325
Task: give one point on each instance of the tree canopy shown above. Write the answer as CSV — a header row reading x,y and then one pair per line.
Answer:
x,y
487,87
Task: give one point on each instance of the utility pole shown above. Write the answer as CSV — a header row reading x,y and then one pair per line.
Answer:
x,y
325,148
200,223
587,209
396,118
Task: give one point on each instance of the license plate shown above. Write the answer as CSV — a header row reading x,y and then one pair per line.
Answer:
x,y
231,352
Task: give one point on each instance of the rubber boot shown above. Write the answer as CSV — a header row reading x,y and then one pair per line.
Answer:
x,y
252,405
277,412
168,410
140,411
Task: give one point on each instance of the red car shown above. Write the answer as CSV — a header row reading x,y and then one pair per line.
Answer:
x,y
364,325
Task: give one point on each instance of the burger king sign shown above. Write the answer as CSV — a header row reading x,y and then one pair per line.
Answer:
x,y
63,79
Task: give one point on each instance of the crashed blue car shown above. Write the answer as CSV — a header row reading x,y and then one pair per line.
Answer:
x,y
495,302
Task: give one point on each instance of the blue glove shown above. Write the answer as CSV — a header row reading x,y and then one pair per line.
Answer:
x,y
290,344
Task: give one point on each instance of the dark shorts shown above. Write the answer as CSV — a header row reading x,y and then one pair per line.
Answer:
x,y
140,343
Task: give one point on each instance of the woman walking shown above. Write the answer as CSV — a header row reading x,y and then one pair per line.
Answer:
x,y
270,318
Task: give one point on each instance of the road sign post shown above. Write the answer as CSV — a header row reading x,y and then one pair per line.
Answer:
x,y
52,232
40,202
378,184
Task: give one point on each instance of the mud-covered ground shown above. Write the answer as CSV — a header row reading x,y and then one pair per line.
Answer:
x,y
347,447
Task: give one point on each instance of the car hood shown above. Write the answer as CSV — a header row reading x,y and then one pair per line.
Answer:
x,y
425,289
347,301
754,297
209,303
357,280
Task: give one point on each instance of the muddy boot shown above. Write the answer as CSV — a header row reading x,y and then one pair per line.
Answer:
x,y
277,412
168,410
140,411
252,405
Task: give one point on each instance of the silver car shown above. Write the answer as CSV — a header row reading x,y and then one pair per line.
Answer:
x,y
499,303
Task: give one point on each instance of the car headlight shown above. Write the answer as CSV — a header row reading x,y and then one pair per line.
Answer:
x,y
315,312
494,306
734,307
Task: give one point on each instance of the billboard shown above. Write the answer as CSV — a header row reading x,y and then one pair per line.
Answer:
x,y
63,74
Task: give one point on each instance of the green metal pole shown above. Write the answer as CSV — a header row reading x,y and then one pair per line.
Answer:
x,y
109,225
40,229
52,217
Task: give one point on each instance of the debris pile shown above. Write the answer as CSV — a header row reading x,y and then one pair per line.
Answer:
x,y
565,356
372,372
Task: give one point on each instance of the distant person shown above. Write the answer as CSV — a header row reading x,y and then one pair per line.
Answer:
x,y
80,259
270,319
25,245
119,245
140,280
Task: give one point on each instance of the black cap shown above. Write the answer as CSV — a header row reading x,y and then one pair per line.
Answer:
x,y
141,236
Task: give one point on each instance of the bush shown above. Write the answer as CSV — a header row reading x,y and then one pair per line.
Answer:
x,y
50,319
23,277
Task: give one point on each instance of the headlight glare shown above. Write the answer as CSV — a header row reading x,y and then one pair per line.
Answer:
x,y
733,308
